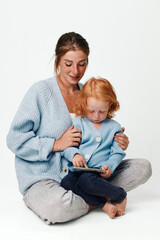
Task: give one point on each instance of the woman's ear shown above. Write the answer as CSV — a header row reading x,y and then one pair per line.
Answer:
x,y
58,70
57,67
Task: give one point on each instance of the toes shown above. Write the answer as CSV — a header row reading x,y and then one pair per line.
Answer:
x,y
113,214
120,213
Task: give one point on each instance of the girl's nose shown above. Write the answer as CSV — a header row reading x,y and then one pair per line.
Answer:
x,y
96,115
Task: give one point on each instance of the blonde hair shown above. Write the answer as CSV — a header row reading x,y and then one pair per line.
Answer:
x,y
101,89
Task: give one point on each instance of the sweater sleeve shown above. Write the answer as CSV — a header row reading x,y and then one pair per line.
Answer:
x,y
22,138
116,152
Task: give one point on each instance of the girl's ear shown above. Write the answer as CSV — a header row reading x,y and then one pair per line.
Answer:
x,y
110,106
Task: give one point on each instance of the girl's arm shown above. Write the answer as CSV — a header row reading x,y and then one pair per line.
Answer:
x,y
116,156
116,152
79,161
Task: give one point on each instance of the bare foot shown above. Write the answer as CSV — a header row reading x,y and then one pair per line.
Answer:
x,y
91,207
110,209
121,207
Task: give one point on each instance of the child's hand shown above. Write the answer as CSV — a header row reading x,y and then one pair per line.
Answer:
x,y
78,161
107,173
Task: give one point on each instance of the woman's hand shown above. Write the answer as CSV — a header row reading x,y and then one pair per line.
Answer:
x,y
72,137
122,139
107,173
78,161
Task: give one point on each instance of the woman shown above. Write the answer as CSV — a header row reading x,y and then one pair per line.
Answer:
x,y
42,128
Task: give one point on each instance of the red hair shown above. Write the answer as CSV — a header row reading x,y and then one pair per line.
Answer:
x,y
100,89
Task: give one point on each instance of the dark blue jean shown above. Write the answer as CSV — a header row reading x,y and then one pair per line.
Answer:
x,y
93,188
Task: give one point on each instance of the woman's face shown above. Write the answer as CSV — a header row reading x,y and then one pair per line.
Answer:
x,y
72,66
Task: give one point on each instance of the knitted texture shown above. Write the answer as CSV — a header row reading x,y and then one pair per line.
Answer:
x,y
41,118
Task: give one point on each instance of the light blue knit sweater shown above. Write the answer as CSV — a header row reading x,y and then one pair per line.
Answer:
x,y
98,146
41,118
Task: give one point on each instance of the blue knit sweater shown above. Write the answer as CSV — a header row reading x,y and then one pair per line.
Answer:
x,y
41,118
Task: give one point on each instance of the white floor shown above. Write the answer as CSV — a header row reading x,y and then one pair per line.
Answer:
x,y
140,222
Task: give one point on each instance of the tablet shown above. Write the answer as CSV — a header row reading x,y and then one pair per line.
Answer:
x,y
100,170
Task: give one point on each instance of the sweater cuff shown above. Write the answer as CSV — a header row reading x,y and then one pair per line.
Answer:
x,y
45,149
70,152
113,162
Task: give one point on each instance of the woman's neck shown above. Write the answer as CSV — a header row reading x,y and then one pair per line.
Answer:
x,y
69,93
66,87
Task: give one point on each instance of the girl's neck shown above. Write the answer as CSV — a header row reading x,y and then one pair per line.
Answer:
x,y
97,125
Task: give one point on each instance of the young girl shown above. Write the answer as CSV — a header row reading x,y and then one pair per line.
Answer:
x,y
95,107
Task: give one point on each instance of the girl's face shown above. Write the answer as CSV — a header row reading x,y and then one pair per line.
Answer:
x,y
72,66
96,110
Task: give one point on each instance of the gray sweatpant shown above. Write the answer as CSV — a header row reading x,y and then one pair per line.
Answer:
x,y
53,204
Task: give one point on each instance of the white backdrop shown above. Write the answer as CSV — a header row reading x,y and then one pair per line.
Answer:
x,y
124,39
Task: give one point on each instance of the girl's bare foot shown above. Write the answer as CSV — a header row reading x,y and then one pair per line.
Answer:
x,y
121,207
110,209
91,207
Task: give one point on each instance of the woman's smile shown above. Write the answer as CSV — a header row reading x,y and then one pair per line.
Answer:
x,y
72,66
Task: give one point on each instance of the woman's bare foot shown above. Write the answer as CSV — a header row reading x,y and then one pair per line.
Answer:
x,y
110,209
121,207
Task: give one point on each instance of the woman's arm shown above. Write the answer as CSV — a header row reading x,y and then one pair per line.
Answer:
x,y
70,138
22,138
122,139
74,140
